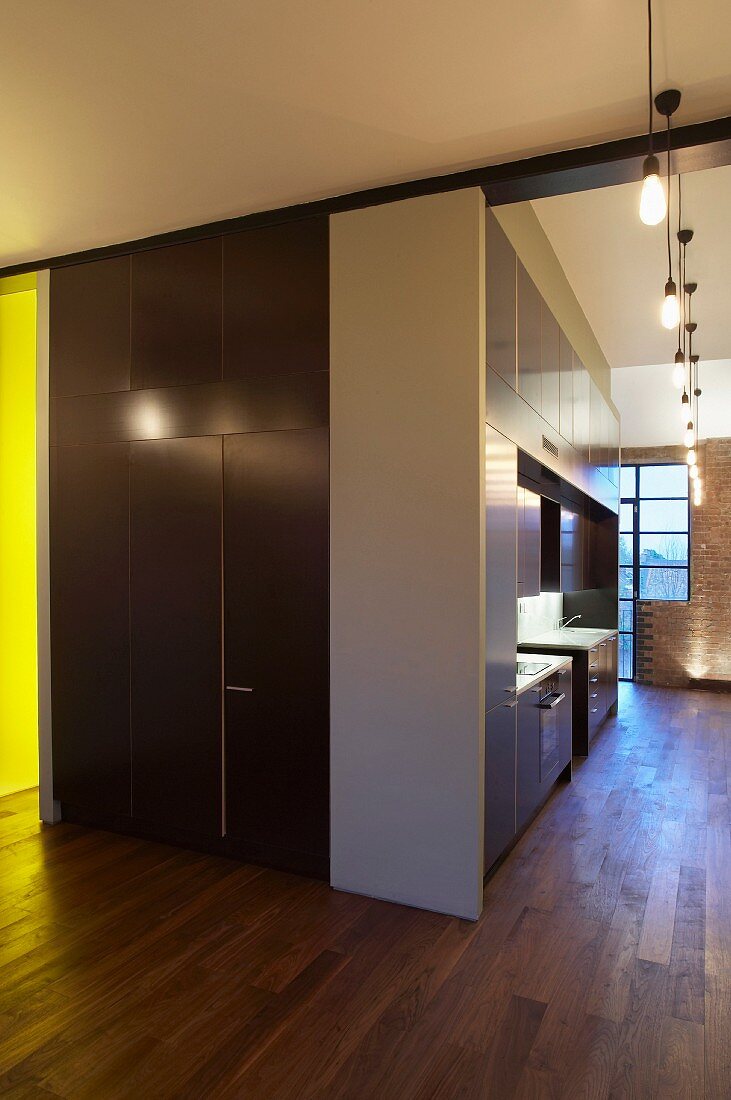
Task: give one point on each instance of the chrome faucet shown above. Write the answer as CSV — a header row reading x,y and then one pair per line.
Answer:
x,y
558,624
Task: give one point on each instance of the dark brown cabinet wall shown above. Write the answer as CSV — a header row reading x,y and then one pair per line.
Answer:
x,y
189,534
90,328
175,619
90,647
176,315
276,601
275,300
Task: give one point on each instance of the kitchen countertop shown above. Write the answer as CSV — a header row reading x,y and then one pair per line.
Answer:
x,y
553,662
572,638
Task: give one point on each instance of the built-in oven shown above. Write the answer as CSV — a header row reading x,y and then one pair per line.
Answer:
x,y
550,699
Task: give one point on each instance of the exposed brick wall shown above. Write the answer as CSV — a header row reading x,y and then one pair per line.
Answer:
x,y
677,642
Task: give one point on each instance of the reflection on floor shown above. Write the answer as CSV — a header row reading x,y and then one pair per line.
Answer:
x,y
601,966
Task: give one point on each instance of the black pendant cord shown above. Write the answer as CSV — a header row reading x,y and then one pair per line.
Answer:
x,y
670,262
649,71
681,273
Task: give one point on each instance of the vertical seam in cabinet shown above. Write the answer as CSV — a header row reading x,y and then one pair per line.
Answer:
x,y
223,654
223,596
129,612
129,541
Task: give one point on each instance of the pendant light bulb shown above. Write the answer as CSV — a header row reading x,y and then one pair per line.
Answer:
x,y
688,439
693,472
697,492
679,370
691,457
670,306
653,204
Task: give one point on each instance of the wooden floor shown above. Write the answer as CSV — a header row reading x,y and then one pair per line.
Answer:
x,y
601,966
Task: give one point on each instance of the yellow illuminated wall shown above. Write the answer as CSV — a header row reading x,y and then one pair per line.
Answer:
x,y
18,663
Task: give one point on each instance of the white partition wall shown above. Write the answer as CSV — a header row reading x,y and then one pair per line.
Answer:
x,y
407,551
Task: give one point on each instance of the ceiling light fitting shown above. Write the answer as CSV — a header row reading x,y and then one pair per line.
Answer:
x,y
653,205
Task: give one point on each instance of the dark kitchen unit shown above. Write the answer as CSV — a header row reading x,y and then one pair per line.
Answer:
x,y
189,543
551,507
527,750
594,654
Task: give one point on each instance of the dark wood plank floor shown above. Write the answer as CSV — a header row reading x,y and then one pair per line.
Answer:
x,y
601,966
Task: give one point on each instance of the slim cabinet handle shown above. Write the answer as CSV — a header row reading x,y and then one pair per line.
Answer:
x,y
510,706
603,645
593,679
231,687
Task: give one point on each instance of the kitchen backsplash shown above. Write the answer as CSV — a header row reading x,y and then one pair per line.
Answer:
x,y
537,614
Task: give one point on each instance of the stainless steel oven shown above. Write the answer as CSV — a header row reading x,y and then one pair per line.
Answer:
x,y
549,706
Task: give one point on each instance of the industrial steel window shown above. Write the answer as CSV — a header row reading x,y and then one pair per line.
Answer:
x,y
654,546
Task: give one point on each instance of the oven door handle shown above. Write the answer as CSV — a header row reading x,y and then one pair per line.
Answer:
x,y
555,700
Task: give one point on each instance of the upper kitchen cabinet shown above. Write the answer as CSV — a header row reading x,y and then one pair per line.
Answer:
x,y
599,427
581,408
276,300
613,456
529,543
550,367
89,328
529,339
175,621
500,289
572,550
566,387
176,315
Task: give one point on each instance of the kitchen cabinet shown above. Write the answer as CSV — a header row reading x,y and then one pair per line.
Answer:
x,y
613,457
572,550
276,640
501,489
594,685
550,578
529,339
612,679
90,648
529,543
276,300
543,742
597,674
500,292
176,314
175,623
582,409
566,387
500,740
550,368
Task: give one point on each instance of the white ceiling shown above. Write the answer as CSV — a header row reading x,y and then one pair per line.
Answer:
x,y
617,266
123,119
649,405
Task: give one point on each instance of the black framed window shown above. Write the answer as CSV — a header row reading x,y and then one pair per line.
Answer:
x,y
654,546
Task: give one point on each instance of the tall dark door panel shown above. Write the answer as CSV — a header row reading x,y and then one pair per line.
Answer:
x,y
175,596
276,638
176,315
90,626
276,300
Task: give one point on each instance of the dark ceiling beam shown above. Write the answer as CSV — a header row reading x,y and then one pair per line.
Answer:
x,y
697,146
